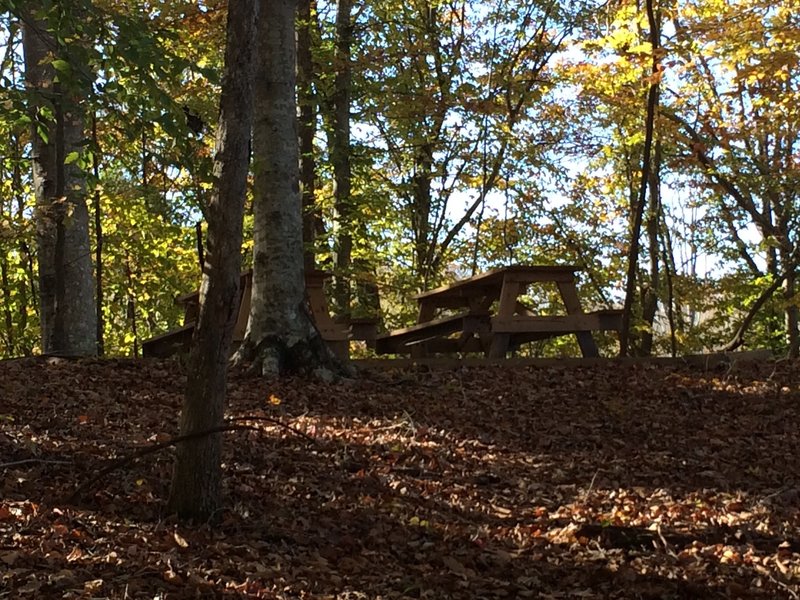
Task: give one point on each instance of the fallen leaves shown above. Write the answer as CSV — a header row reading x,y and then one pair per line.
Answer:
x,y
626,481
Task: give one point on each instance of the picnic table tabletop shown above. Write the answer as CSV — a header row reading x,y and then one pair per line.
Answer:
x,y
496,277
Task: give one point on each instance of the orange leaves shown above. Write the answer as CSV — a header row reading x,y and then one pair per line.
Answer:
x,y
482,482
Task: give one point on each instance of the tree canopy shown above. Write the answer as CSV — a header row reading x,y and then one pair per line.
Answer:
x,y
478,134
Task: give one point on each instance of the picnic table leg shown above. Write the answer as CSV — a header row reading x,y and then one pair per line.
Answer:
x,y
508,305
427,310
569,294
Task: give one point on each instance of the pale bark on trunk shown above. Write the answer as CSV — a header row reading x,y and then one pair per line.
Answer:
x,y
197,477
280,336
66,286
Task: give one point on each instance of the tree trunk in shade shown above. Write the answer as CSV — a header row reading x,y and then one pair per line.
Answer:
x,y
196,482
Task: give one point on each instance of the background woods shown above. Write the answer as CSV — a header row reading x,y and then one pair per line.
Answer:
x,y
352,155
436,139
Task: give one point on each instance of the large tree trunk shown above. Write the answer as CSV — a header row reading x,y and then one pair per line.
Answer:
x,y
197,477
66,286
280,334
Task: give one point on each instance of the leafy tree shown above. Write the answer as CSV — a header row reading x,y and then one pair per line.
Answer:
x,y
737,124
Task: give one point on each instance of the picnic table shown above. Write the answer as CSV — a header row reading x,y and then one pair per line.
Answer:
x,y
336,334
491,317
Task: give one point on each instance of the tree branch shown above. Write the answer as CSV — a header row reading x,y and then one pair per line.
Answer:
x,y
152,449
738,337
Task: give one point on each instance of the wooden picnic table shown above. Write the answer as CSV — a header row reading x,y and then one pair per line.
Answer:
x,y
492,318
336,334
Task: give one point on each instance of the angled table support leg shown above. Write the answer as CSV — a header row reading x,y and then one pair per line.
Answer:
x,y
569,294
508,305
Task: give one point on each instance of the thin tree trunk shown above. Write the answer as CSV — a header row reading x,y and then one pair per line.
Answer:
x,y
307,129
340,156
66,285
25,262
421,211
5,288
638,210
131,310
197,477
669,274
738,337
651,290
7,312
791,313
98,234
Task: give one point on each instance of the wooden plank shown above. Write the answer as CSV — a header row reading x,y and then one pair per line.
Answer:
x,y
569,294
364,328
485,282
394,341
245,292
330,331
610,319
169,343
508,306
560,324
439,345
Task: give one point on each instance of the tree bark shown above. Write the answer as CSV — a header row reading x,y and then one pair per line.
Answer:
x,y
638,210
788,264
651,291
98,234
280,336
66,287
340,156
5,287
196,482
306,117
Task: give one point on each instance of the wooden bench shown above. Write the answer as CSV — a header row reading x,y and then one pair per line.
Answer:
x,y
405,340
170,343
178,340
337,335
559,324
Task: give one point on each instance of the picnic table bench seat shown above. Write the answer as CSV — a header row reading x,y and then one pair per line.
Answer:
x,y
403,340
337,333
170,343
604,320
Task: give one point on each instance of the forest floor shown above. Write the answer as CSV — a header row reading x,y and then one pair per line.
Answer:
x,y
609,481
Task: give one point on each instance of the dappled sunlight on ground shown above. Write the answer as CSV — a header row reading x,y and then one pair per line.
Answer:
x,y
610,481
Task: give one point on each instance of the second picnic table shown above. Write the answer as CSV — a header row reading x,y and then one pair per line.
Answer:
x,y
479,329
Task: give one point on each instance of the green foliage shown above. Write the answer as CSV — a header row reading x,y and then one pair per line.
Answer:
x,y
484,134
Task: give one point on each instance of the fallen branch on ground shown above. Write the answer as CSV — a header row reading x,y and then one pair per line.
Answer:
x,y
152,449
